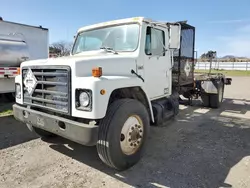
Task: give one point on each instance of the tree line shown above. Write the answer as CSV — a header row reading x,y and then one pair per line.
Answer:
x,y
206,57
61,48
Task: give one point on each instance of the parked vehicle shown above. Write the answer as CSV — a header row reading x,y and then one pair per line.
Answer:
x,y
121,77
19,43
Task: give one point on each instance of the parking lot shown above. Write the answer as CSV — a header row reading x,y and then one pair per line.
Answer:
x,y
200,148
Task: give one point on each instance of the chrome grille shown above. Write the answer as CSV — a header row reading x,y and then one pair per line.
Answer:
x,y
52,91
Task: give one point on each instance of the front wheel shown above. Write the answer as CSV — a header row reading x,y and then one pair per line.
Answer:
x,y
123,133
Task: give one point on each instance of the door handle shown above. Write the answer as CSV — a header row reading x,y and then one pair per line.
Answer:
x,y
140,67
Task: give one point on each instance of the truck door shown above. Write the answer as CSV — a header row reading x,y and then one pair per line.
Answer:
x,y
157,63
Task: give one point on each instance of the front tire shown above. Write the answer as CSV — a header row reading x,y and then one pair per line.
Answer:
x,y
123,133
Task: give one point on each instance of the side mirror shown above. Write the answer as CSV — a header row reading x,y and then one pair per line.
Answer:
x,y
175,36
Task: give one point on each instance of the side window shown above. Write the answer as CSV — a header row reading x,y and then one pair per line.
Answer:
x,y
155,42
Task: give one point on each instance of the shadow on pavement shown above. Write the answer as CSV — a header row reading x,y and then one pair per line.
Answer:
x,y
5,105
12,132
197,149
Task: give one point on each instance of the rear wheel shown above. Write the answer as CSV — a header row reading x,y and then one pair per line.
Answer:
x,y
216,99
122,134
205,99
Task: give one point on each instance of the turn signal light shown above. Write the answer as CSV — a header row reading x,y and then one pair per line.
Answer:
x,y
18,71
97,72
103,91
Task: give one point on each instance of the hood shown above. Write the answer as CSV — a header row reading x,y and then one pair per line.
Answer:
x,y
81,64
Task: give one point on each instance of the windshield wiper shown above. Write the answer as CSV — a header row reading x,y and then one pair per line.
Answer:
x,y
108,49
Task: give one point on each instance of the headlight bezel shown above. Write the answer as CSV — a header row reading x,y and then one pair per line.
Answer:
x,y
77,100
18,95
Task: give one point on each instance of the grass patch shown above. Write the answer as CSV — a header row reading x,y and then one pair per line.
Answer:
x,y
227,72
6,112
5,109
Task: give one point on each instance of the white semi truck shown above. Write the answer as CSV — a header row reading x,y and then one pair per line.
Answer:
x,y
122,76
18,43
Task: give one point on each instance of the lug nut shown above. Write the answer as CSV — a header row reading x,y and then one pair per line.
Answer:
x,y
134,145
129,140
131,144
138,142
132,128
135,125
139,126
130,133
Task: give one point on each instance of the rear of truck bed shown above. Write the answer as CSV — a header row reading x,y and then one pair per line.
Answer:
x,y
210,87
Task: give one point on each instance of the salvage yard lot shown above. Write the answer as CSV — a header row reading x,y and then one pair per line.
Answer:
x,y
200,148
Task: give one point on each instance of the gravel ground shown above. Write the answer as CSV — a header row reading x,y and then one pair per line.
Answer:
x,y
200,148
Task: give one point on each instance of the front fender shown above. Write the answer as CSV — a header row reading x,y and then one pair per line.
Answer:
x,y
100,102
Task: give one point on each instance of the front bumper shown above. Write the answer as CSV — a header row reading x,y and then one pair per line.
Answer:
x,y
78,132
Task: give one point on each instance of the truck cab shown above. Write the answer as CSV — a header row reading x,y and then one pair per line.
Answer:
x,y
116,82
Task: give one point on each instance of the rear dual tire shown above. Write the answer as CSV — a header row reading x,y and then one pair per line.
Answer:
x,y
205,99
216,99
213,100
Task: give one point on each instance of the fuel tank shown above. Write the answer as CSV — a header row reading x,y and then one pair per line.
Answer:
x,y
13,51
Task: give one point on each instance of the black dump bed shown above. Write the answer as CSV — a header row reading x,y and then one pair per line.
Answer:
x,y
183,70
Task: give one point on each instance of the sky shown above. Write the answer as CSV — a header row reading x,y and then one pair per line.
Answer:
x,y
222,25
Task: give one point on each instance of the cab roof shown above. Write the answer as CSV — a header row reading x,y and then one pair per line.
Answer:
x,y
128,20
114,22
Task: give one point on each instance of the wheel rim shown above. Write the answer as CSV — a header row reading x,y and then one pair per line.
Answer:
x,y
131,135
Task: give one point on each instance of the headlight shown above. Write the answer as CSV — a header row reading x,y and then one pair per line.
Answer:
x,y
18,91
84,99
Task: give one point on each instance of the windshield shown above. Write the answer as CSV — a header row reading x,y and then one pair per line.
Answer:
x,y
118,38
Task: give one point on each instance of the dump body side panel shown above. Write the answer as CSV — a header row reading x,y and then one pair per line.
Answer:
x,y
35,38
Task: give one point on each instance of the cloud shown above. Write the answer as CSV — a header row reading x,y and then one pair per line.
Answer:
x,y
228,21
